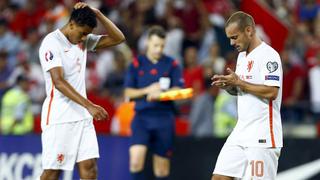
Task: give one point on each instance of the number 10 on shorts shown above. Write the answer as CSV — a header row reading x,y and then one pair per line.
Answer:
x,y
256,168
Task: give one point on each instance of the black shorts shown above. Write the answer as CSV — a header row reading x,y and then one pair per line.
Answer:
x,y
157,133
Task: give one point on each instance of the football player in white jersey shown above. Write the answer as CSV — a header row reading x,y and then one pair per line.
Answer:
x,y
68,135
253,148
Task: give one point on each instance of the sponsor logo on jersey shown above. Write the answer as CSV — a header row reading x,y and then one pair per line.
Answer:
x,y
262,141
272,77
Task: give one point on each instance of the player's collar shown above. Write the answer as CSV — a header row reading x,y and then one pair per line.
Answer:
x,y
63,38
254,49
152,61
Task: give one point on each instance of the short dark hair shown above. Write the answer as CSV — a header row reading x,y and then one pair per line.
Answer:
x,y
242,19
84,16
158,31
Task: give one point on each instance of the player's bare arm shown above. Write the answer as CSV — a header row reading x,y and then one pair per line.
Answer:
x,y
66,89
114,35
263,91
232,80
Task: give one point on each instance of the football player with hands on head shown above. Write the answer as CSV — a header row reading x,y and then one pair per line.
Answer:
x,y
68,135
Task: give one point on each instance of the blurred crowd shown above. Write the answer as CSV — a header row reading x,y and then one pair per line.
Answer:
x,y
195,37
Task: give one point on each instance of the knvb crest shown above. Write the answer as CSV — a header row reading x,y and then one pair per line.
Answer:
x,y
250,65
272,66
60,158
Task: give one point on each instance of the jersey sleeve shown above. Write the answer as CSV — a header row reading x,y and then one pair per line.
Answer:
x,y
271,69
176,75
49,55
92,41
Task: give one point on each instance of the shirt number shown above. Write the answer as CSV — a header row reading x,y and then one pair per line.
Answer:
x,y
257,168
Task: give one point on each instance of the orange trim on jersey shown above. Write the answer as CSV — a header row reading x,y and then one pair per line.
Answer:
x,y
271,123
50,102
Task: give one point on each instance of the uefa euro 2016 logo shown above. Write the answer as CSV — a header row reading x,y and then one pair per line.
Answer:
x,y
48,56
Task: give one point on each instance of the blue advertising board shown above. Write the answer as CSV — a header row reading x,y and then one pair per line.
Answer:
x,y
20,158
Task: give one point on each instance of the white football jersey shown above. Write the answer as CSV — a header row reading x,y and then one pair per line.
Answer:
x,y
259,120
56,50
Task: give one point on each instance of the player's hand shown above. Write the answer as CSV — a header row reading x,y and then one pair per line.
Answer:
x,y
216,81
80,5
98,113
225,81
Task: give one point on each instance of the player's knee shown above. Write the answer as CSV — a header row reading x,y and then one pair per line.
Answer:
x,y
92,172
50,175
136,167
161,172
216,177
89,170
219,177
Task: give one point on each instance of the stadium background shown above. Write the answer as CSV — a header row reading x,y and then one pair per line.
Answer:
x,y
195,38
